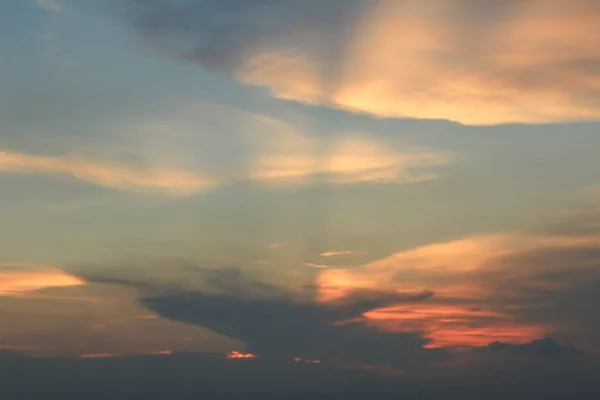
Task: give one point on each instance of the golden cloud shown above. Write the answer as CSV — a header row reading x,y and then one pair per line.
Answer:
x,y
342,253
473,281
23,283
293,158
477,63
116,176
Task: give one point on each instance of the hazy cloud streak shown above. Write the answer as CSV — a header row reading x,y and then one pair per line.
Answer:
x,y
108,174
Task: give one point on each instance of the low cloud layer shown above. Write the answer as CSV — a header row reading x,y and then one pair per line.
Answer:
x,y
477,63
193,376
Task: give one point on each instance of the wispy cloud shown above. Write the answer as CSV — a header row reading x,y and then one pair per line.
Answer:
x,y
22,283
295,159
153,179
476,63
342,253
112,355
49,5
315,265
176,151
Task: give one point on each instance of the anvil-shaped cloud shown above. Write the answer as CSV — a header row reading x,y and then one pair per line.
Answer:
x,y
275,324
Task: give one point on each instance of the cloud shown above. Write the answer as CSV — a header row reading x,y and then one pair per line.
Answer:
x,y
512,287
22,283
153,179
236,355
341,253
477,63
53,322
293,159
455,325
176,151
48,5
545,348
278,324
315,265
111,355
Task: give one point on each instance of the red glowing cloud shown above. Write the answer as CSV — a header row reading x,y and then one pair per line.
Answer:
x,y
477,284
236,355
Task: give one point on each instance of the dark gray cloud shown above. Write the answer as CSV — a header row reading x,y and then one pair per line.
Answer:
x,y
273,323
284,330
555,286
219,34
576,221
540,349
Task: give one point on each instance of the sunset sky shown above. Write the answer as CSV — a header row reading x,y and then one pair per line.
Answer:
x,y
407,188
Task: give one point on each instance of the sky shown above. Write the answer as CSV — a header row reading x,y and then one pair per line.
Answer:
x,y
279,198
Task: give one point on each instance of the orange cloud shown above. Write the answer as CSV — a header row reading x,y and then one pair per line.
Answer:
x,y
341,253
23,283
480,64
236,355
156,179
455,326
440,266
468,307
297,159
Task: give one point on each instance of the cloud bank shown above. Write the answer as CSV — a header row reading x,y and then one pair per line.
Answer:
x,y
477,63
